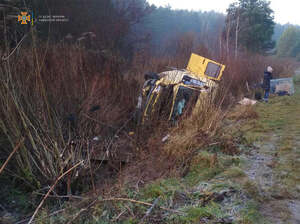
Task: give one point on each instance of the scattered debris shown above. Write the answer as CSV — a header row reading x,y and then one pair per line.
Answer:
x,y
165,138
247,101
96,139
284,86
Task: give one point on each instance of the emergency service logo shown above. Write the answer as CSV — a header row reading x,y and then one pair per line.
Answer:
x,y
24,18
28,18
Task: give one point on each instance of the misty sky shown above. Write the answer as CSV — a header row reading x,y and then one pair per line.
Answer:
x,y
286,11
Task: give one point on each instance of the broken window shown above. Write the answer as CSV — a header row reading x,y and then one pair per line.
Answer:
x,y
212,70
185,100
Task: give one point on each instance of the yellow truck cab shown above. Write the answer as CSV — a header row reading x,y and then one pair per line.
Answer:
x,y
168,95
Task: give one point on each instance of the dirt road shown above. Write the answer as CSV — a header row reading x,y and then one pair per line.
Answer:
x,y
274,166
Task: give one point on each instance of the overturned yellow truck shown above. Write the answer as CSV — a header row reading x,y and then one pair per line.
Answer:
x,y
169,95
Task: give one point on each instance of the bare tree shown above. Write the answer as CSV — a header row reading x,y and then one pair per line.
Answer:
x,y
237,33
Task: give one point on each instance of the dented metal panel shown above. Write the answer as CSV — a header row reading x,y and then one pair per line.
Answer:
x,y
204,67
282,85
188,86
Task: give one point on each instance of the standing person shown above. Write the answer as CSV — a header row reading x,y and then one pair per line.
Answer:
x,y
266,83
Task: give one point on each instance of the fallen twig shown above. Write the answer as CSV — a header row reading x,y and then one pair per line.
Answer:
x,y
149,210
81,211
51,189
129,200
97,121
212,144
116,219
118,131
52,214
5,58
140,202
61,196
11,154
130,211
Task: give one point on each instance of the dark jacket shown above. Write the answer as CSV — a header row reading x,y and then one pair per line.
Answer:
x,y
266,82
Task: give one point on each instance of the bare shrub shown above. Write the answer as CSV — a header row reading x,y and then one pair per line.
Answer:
x,y
194,132
243,112
59,99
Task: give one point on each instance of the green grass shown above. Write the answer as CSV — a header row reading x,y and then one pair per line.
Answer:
x,y
297,77
194,215
202,170
251,190
277,133
162,188
251,214
280,116
234,172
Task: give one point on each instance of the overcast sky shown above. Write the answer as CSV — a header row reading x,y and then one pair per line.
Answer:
x,y
286,11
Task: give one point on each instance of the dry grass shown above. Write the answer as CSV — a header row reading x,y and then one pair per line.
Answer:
x,y
243,112
50,95
194,132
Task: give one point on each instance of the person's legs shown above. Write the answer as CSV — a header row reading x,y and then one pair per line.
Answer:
x,y
266,97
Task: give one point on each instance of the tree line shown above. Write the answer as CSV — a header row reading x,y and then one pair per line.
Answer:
x,y
107,24
123,26
289,43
